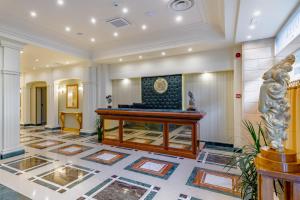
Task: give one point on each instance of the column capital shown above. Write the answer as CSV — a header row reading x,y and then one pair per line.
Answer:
x,y
11,44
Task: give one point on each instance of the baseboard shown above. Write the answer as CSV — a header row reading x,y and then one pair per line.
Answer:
x,y
221,146
27,125
87,132
12,154
53,129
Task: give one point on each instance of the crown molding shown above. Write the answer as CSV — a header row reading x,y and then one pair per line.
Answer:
x,y
25,38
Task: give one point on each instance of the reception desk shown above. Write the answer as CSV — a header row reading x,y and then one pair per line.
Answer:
x,y
171,132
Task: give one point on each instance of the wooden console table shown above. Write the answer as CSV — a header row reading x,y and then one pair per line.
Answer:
x,y
116,121
77,116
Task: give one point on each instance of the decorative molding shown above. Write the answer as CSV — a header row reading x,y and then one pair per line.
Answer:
x,y
31,39
9,72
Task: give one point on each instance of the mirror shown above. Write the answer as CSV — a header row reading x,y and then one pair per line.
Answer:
x,y
72,96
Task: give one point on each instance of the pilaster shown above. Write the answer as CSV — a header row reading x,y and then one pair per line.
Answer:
x,y
10,98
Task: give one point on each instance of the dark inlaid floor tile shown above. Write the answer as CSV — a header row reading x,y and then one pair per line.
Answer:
x,y
72,149
215,158
44,144
153,167
9,194
24,139
106,157
120,188
20,166
224,183
73,137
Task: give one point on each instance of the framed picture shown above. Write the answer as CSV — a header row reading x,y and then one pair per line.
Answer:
x,y
72,96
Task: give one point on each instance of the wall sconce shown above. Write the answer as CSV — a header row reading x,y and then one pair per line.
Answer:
x,y
80,88
62,89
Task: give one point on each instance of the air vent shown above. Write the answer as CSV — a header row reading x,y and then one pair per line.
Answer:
x,y
119,22
181,5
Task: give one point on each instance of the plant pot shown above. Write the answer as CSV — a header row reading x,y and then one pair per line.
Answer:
x,y
100,135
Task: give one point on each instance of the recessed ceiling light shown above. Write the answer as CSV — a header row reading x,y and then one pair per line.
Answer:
x,y
256,13
93,40
93,20
33,14
47,66
249,37
125,10
34,68
37,60
144,26
252,26
120,60
67,63
116,34
60,2
67,28
178,18
21,52
163,53
140,57
190,49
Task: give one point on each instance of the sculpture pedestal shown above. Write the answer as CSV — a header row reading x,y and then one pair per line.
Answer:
x,y
271,165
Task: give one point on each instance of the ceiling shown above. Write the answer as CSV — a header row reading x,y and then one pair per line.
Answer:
x,y
37,58
273,14
209,24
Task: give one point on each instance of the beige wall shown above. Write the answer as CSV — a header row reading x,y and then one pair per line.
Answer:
x,y
258,57
126,91
213,94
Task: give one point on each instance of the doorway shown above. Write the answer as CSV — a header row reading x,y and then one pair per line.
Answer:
x,y
41,105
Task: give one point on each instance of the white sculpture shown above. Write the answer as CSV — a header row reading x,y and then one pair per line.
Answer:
x,y
273,103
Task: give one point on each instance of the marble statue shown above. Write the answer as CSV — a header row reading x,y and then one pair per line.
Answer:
x,y
273,104
191,102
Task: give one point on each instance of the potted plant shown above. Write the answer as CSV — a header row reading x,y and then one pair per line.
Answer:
x,y
99,124
244,160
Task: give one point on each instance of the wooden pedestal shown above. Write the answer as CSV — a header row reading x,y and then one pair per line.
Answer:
x,y
271,165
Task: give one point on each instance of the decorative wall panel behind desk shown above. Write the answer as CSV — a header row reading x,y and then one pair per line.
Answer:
x,y
171,99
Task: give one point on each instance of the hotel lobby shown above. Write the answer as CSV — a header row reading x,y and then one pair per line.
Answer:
x,y
149,99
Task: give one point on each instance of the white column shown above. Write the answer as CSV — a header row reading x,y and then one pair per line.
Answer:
x,y
89,104
10,99
52,106
104,85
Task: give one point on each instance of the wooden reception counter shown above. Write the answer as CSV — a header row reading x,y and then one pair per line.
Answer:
x,y
171,132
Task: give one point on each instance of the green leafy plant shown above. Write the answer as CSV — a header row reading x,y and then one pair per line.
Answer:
x,y
244,160
99,125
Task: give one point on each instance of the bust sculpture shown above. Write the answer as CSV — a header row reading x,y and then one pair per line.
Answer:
x,y
191,102
273,104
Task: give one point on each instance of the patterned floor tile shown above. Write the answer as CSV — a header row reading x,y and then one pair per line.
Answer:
x,y
153,167
37,130
71,150
106,157
26,164
187,197
63,178
120,188
54,133
180,146
140,140
44,144
29,138
215,158
224,183
9,194
73,137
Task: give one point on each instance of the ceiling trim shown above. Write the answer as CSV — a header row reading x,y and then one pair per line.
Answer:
x,y
43,42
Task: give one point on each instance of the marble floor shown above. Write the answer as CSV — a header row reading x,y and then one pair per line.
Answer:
x,y
59,165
